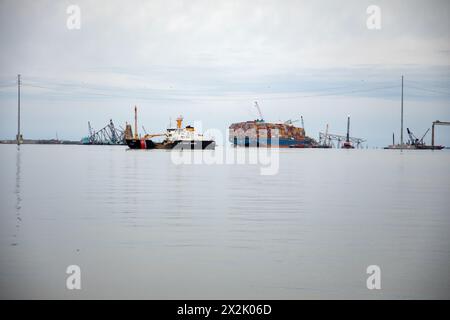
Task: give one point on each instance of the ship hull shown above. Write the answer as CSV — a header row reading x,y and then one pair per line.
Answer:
x,y
315,146
430,147
279,143
179,144
413,147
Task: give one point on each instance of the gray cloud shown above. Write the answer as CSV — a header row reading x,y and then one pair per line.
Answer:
x,y
178,56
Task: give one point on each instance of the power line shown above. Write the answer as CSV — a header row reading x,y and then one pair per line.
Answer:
x,y
191,95
335,93
7,85
35,86
439,85
429,90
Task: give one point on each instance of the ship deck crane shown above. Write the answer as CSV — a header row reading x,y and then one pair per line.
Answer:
x,y
414,140
421,139
303,124
291,121
412,137
259,111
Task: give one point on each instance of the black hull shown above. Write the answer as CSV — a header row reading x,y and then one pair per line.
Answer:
x,y
140,144
178,145
430,147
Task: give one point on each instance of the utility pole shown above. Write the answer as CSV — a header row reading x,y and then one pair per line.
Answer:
x,y
401,126
19,138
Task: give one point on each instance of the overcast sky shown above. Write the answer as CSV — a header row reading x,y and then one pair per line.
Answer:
x,y
209,60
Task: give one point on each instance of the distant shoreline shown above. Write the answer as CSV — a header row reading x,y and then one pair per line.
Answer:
x,y
70,142
40,141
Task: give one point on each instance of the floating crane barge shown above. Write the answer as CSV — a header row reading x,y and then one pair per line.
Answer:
x,y
414,143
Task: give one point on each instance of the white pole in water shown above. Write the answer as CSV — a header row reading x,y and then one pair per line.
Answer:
x,y
401,126
18,110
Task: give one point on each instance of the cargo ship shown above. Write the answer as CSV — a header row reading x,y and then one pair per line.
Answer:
x,y
174,138
259,133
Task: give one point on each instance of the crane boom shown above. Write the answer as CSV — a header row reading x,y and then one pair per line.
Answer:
x,y
259,111
421,139
412,137
290,121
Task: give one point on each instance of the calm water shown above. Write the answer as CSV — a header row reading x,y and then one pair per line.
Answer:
x,y
140,226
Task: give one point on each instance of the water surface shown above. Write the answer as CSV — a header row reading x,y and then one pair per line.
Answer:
x,y
140,226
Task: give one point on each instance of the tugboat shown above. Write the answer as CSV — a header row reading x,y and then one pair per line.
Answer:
x,y
175,138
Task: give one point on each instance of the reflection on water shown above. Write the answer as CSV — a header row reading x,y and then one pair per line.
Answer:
x,y
141,227
18,199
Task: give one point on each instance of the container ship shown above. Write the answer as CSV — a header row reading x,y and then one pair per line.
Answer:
x,y
259,133
180,138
